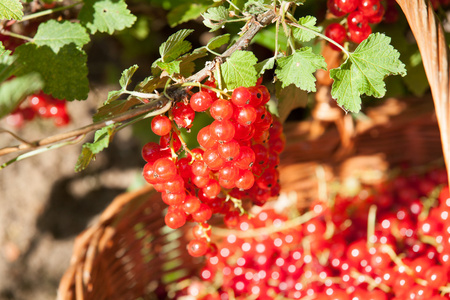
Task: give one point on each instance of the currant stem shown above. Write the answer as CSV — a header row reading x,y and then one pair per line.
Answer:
x,y
294,23
267,230
156,107
203,86
141,95
41,150
16,35
48,12
183,143
371,220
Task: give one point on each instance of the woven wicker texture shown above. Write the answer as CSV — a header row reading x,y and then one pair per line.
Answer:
x,y
127,253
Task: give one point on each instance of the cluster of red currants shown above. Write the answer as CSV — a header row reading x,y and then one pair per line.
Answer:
x,y
391,242
43,106
359,15
236,159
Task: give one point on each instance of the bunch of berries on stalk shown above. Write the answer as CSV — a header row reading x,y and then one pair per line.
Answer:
x,y
236,160
357,16
40,105
390,242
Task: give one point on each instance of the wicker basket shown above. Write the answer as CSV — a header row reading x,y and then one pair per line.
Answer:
x,y
130,254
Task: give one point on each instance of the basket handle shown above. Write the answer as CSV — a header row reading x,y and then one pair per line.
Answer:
x,y
429,34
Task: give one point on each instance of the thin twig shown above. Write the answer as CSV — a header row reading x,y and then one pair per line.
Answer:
x,y
155,105
15,136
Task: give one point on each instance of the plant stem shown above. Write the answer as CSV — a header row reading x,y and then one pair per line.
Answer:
x,y
48,12
157,106
295,24
16,35
41,150
141,95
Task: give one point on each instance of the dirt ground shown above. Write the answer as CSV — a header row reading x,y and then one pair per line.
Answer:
x,y
44,204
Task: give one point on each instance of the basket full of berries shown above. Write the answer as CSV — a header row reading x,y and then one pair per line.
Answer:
x,y
263,209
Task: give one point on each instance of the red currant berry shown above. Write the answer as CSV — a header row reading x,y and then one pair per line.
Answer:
x,y
197,247
369,7
221,110
200,101
175,219
241,96
183,115
245,180
245,115
213,159
222,131
337,33
191,204
161,125
202,214
150,151
229,150
204,138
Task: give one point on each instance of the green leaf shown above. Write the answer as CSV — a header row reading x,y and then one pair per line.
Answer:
x,y
218,13
175,45
218,41
289,98
11,10
186,12
64,73
125,79
303,35
170,67
13,91
187,65
364,70
113,95
239,70
101,141
149,84
8,64
266,64
298,68
256,6
215,17
57,34
115,108
106,15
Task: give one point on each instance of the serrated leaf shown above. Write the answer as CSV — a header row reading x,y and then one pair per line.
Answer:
x,y
125,79
175,45
364,71
113,95
218,41
303,35
218,13
298,69
239,70
89,150
256,6
115,108
149,84
215,17
289,98
187,65
106,15
170,67
186,12
57,34
11,10
266,64
13,91
64,73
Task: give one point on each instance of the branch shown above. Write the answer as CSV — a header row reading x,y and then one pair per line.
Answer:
x,y
154,105
254,26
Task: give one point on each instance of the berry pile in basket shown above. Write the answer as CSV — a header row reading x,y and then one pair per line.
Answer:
x,y
236,159
40,105
388,242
